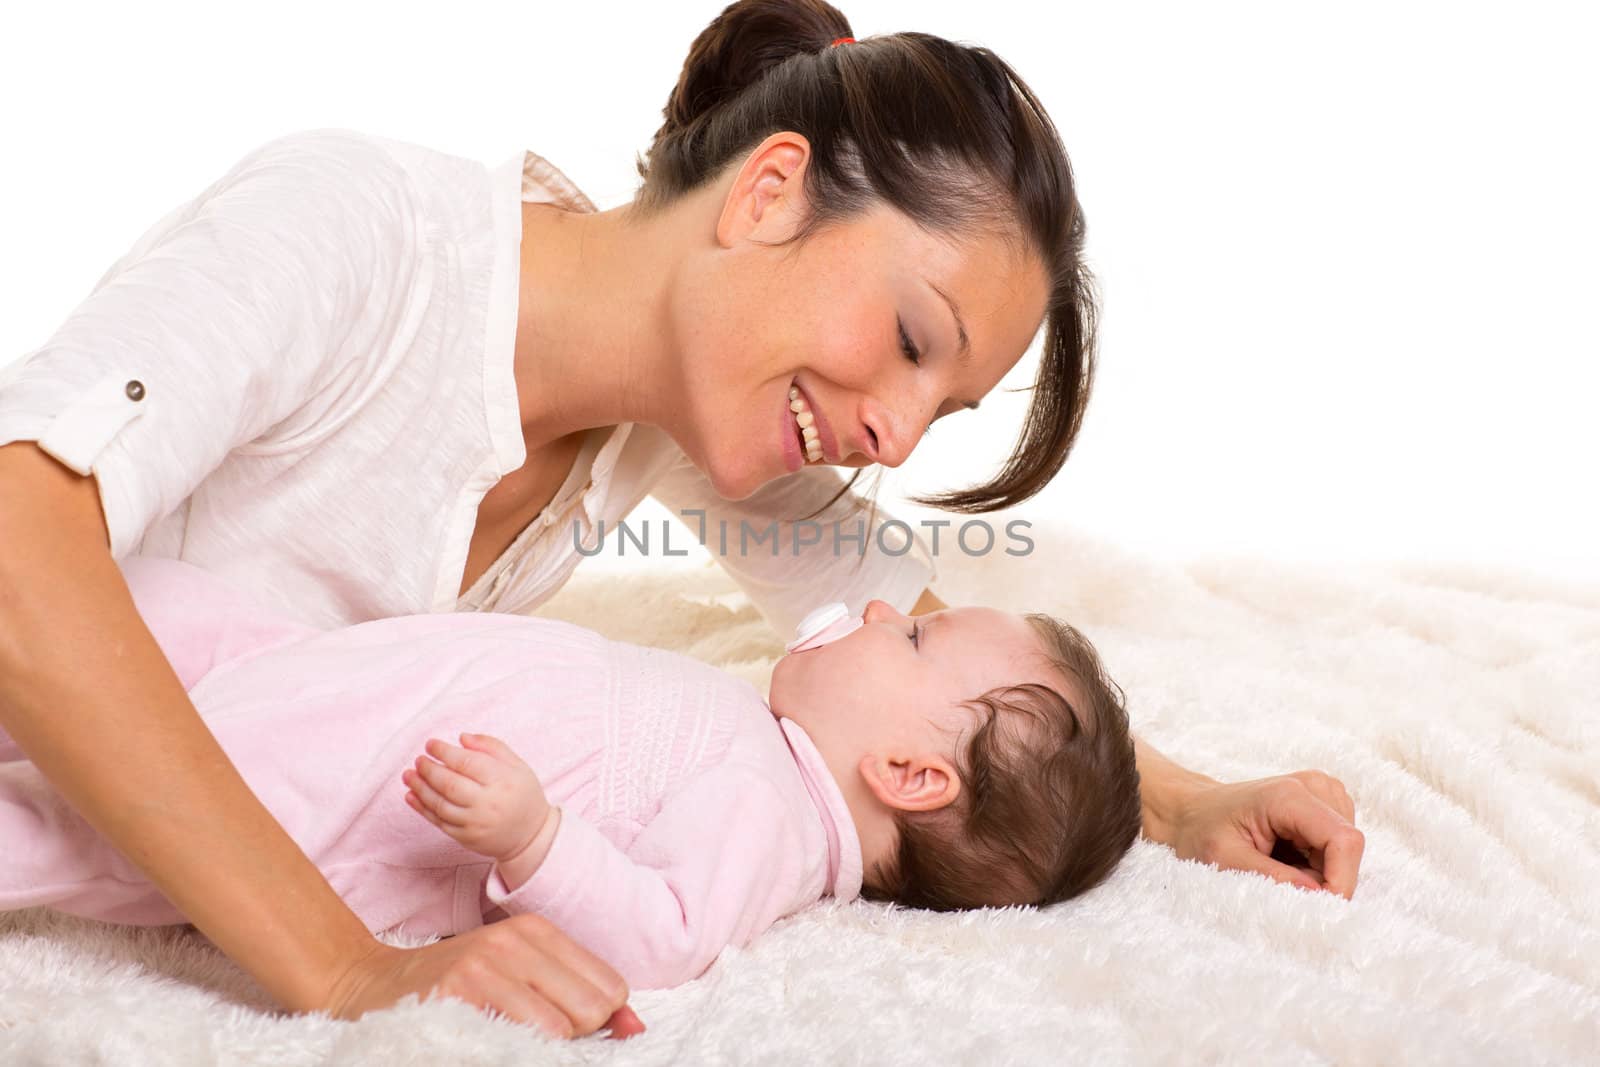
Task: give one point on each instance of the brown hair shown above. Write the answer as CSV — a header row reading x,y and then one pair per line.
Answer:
x,y
1043,813
946,133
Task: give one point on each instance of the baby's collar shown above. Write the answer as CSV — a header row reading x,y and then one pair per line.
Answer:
x,y
844,846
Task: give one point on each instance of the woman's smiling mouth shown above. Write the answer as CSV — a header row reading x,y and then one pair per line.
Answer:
x,y
810,438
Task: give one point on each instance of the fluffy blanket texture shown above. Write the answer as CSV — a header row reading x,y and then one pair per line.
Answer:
x,y
1457,706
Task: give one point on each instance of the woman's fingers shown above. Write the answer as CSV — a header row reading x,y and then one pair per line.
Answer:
x,y
521,967
1248,858
1245,825
583,988
1341,861
1329,790
624,1024
1298,815
591,969
439,804
486,987
512,967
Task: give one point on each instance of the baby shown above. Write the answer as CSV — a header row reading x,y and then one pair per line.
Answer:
x,y
653,807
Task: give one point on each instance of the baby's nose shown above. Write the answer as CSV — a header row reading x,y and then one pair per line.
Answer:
x,y
880,611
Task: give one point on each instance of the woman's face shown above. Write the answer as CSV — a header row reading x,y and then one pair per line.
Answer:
x,y
751,321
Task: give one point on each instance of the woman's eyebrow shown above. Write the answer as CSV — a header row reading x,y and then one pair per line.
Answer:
x,y
964,350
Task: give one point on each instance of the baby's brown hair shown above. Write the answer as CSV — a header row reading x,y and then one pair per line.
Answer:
x,y
1043,813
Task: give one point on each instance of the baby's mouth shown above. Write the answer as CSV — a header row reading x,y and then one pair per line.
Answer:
x,y
827,623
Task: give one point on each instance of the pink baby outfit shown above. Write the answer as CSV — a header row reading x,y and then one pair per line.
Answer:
x,y
691,818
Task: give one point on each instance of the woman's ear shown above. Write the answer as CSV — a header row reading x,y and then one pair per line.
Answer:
x,y
773,176
915,783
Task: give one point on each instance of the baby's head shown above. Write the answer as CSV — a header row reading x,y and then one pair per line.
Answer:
x,y
985,756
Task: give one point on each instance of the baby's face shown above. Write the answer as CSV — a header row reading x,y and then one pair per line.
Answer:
x,y
882,685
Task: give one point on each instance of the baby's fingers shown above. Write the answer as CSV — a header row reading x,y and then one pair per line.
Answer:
x,y
416,805
449,783
480,766
494,747
433,799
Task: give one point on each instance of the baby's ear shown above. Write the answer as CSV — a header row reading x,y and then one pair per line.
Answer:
x,y
914,783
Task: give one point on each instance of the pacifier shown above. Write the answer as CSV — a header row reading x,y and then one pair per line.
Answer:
x,y
827,623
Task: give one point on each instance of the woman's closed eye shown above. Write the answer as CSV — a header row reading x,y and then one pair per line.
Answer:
x,y
907,345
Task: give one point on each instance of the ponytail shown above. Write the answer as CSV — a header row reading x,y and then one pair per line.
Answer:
x,y
742,44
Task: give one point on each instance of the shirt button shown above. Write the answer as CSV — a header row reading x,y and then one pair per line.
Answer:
x,y
134,389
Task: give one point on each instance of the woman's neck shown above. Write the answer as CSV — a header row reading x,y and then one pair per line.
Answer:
x,y
592,344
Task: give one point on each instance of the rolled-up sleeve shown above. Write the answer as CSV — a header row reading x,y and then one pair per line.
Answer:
x,y
240,318
788,564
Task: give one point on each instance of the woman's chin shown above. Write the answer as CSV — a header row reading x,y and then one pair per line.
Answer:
x,y
735,479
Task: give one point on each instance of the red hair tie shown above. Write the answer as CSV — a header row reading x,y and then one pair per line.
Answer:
x,y
837,41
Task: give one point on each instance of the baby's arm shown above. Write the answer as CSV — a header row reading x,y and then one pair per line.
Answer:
x,y
485,797
720,862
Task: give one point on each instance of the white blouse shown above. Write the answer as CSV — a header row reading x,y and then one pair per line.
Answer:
x,y
301,380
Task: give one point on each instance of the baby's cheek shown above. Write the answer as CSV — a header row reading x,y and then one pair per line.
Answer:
x,y
816,696
779,684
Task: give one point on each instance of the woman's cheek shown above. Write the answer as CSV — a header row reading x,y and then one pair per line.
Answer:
x,y
841,349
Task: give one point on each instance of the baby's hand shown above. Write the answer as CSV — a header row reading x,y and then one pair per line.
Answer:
x,y
483,795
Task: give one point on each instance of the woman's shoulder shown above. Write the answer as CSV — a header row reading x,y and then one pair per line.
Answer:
x,y
328,151
385,168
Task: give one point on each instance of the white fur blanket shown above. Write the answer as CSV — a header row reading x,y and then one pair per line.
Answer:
x,y
1458,707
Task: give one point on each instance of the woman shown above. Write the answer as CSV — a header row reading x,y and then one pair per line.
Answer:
x,y
362,378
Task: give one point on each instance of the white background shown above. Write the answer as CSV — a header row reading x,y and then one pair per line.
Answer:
x,y
1349,255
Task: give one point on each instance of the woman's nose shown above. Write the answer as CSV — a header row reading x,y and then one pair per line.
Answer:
x,y
882,444
889,434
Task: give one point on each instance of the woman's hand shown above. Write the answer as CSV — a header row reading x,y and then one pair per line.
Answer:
x,y
482,795
522,966
1241,825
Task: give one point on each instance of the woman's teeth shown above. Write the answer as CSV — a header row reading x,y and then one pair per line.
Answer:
x,y
807,425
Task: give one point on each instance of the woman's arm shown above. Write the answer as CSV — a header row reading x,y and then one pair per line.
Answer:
x,y
1238,824
1164,787
87,694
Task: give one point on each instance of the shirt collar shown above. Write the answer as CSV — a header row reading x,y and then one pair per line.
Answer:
x,y
844,847
525,177
542,182
545,183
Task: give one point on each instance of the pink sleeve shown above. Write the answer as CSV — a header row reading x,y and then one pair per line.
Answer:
x,y
719,863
